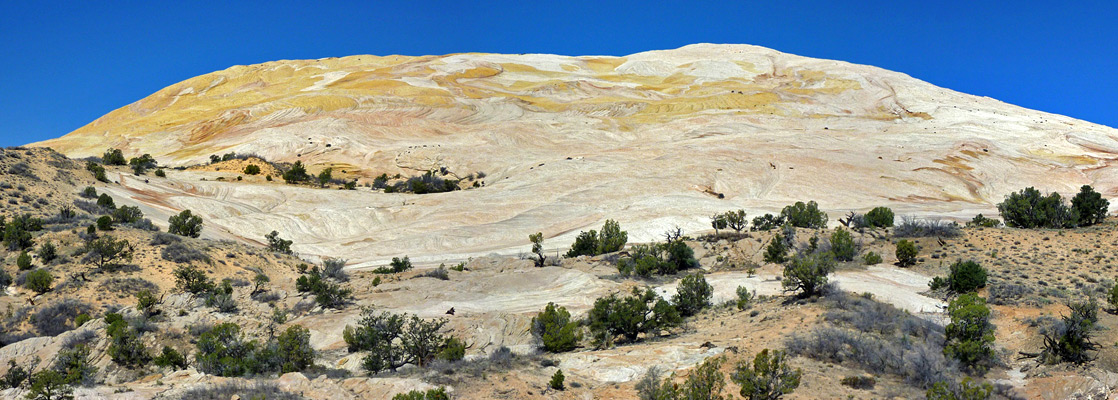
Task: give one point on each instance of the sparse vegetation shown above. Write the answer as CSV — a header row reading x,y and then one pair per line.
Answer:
x,y
879,217
113,157
397,265
106,251
39,281
906,253
537,247
912,228
777,250
692,295
842,245
611,239
1029,209
394,340
185,224
970,336
141,164
802,215
642,312
1088,207
981,221
192,280
555,330
326,293
767,222
808,273
769,377
964,277
278,244
556,381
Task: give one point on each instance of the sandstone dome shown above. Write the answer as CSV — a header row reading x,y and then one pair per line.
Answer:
x,y
655,140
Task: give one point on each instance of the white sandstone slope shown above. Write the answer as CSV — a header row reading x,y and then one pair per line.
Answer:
x,y
649,139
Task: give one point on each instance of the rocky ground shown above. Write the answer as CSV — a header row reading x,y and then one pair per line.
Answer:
x,y
1033,274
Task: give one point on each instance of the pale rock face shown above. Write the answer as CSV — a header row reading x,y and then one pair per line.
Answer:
x,y
648,139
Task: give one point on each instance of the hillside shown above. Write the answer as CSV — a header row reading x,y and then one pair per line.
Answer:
x,y
654,140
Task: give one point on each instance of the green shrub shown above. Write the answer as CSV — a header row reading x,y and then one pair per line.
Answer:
x,y
630,316
744,297
537,247
126,349
105,223
185,224
736,220
192,280
981,221
15,376
906,253
113,157
1112,296
81,319
767,222
453,350
586,244
397,265
17,232
146,302
297,173
879,217
1029,209
47,253
692,295
611,238
966,276
222,351
75,366
142,163
556,380
430,394
871,258
802,215
769,377
394,340
718,221
555,330
1070,339
252,169
808,273
842,245
97,170
106,250
49,384
327,294
292,350
325,176
967,390
1089,206
106,201
89,192
127,215
970,335
278,244
39,281
777,251
23,261
170,358
160,173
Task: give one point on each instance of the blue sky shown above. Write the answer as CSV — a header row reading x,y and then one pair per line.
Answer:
x,y
64,64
